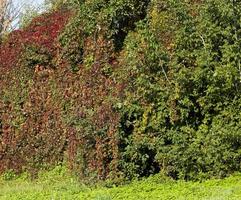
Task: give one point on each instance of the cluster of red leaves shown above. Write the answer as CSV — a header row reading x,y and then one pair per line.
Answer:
x,y
100,151
43,31
17,146
38,136
43,134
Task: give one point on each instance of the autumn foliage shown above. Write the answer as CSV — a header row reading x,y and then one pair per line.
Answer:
x,y
124,89
43,32
34,112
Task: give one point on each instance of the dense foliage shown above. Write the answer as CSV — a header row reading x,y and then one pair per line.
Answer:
x,y
127,89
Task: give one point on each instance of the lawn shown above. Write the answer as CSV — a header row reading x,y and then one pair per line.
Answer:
x,y
56,185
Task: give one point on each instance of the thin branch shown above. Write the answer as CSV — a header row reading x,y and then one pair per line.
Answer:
x,y
203,41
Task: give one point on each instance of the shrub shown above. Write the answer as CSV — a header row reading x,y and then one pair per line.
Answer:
x,y
174,96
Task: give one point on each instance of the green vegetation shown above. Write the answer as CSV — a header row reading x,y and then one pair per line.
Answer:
x,y
124,89
58,185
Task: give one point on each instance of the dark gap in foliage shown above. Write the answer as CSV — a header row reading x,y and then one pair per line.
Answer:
x,y
126,24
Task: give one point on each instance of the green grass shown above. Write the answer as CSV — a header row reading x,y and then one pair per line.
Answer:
x,y
56,185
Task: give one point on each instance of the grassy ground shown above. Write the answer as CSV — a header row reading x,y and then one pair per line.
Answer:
x,y
56,185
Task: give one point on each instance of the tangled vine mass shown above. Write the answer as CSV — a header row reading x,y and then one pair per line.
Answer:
x,y
124,89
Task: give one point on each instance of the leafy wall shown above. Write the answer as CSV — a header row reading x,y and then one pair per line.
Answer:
x,y
125,89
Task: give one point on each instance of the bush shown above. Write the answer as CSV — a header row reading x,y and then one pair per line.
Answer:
x,y
174,96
